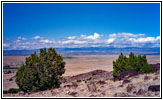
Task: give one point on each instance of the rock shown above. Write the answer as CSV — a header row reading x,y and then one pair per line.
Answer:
x,y
92,95
156,78
21,93
126,74
114,79
120,86
134,92
91,86
120,95
158,72
154,88
73,94
103,93
147,78
129,88
67,92
155,67
125,81
72,85
53,93
140,92
101,82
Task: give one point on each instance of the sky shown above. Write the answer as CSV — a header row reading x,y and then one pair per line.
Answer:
x,y
75,25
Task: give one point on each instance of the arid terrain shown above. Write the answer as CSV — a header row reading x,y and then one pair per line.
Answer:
x,y
102,81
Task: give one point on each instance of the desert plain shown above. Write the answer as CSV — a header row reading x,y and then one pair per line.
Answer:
x,y
74,65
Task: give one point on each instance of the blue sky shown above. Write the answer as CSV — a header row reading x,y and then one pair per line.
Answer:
x,y
31,26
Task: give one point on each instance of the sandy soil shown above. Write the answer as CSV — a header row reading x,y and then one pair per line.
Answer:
x,y
81,64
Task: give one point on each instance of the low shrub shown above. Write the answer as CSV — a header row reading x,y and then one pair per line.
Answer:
x,y
10,79
11,90
94,73
78,81
89,78
5,91
41,72
136,63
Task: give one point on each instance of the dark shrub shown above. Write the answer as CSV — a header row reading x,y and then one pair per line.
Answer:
x,y
78,81
136,63
10,79
41,72
13,90
89,78
9,72
5,91
94,73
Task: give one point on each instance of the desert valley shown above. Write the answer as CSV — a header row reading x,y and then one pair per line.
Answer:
x,y
89,75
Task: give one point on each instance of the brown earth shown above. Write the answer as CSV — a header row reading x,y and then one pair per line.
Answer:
x,y
141,85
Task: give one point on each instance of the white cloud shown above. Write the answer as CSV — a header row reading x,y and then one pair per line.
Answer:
x,y
37,38
6,45
71,37
114,35
47,41
18,40
93,37
145,40
94,40
110,40
123,34
21,38
73,42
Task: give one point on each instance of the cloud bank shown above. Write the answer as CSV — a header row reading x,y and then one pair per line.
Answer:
x,y
117,40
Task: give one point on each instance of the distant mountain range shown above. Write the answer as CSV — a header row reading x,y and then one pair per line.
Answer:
x,y
88,51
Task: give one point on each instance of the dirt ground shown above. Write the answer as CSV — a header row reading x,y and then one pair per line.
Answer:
x,y
82,64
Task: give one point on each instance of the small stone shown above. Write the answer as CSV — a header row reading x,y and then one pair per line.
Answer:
x,y
91,86
156,78
126,81
154,88
120,95
101,82
120,86
73,94
103,93
53,93
127,74
146,78
21,93
67,92
114,79
140,92
92,96
134,92
129,88
72,85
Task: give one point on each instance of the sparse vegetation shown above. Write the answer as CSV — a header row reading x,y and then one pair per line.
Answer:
x,y
7,72
137,63
10,79
41,72
11,90
89,78
78,81
69,57
10,67
94,73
